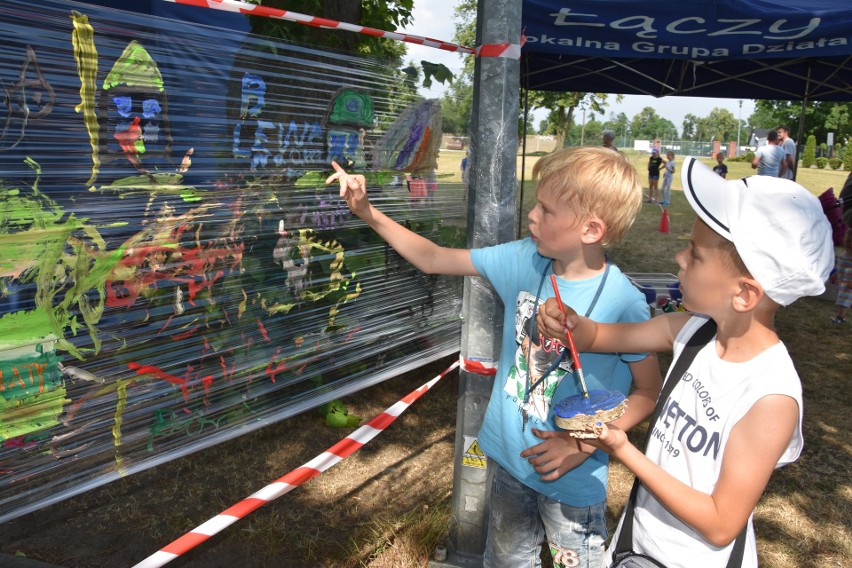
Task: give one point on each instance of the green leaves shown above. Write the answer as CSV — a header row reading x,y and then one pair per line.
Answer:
x,y
440,72
337,416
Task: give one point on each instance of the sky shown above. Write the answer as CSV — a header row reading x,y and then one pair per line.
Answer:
x,y
435,20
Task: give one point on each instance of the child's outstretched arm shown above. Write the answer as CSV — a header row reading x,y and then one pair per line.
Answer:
x,y
654,335
642,400
754,447
419,251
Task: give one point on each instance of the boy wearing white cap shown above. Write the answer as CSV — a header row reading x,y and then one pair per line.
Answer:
x,y
735,414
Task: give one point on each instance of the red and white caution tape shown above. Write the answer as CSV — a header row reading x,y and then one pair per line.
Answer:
x,y
507,50
480,366
276,13
279,487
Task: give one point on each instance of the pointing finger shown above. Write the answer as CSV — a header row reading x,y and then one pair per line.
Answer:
x,y
338,173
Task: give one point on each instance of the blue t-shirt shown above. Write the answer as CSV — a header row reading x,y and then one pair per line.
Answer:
x,y
515,270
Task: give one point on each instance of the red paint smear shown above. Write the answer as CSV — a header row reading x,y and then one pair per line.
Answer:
x,y
279,367
190,266
185,334
127,138
263,331
160,374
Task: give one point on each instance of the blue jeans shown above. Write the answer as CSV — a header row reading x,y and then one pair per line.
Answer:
x,y
520,518
666,190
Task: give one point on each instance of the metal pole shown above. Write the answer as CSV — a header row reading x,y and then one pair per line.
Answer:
x,y
491,220
524,161
739,126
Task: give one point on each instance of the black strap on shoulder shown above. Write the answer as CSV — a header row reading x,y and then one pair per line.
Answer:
x,y
699,339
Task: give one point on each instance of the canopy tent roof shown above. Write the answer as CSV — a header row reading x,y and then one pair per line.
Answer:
x,y
759,49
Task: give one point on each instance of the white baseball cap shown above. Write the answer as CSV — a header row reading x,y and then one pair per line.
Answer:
x,y
777,226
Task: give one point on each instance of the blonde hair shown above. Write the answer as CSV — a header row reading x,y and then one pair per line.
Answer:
x,y
593,182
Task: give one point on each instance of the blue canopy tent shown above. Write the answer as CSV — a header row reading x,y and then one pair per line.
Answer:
x,y
760,49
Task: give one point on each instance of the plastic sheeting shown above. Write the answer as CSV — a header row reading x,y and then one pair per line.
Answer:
x,y
173,270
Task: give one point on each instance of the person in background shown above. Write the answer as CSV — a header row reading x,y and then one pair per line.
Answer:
x,y
720,168
842,278
655,162
668,175
545,484
608,138
770,159
735,415
464,173
789,146
845,199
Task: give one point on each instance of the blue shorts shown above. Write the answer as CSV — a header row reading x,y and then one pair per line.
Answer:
x,y
521,518
653,177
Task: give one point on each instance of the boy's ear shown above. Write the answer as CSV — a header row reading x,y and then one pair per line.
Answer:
x,y
594,230
748,296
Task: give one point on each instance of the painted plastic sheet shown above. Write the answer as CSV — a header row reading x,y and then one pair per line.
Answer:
x,y
173,270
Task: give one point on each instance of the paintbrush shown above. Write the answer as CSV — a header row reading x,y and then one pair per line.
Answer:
x,y
574,355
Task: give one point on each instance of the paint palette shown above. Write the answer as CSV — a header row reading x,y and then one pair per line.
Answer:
x,y
578,413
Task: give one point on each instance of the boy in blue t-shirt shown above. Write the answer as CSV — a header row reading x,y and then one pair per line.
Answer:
x,y
544,481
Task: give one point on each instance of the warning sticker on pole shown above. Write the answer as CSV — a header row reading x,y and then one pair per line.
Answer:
x,y
473,456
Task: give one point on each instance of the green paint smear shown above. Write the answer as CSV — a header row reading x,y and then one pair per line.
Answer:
x,y
31,415
162,183
135,68
65,257
31,399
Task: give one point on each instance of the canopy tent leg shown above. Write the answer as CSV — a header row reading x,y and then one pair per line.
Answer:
x,y
523,162
801,129
492,208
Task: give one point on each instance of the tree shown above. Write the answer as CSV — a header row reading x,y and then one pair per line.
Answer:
x,y
457,102
562,107
809,156
456,105
620,124
690,126
590,134
720,124
380,14
821,117
847,158
647,124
